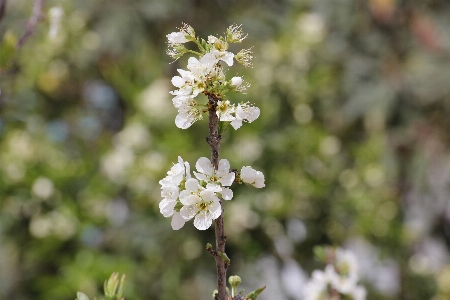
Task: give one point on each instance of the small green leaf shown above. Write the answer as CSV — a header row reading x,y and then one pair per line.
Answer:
x,y
253,295
224,257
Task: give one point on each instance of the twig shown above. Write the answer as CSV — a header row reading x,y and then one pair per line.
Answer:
x,y
36,15
2,8
214,143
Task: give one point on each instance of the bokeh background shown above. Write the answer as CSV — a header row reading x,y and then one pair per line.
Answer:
x,y
353,139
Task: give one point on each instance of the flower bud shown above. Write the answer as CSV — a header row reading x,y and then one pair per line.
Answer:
x,y
234,281
236,81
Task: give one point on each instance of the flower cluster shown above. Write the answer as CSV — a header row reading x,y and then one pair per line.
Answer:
x,y
338,280
186,197
205,75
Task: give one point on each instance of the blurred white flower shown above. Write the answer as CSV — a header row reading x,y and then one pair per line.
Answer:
x,y
55,16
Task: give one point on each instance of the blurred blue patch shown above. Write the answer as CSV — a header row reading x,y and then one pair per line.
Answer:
x,y
100,95
92,236
57,130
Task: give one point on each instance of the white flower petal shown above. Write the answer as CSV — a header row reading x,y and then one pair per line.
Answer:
x,y
177,81
188,212
192,185
213,187
248,175
184,120
228,179
177,221
252,113
228,58
216,209
176,38
201,176
236,123
224,168
227,194
203,165
203,220
259,180
166,207
190,200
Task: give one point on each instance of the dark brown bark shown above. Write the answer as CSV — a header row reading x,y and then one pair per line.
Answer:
x,y
214,143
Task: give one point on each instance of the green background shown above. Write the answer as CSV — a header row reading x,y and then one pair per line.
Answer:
x,y
353,139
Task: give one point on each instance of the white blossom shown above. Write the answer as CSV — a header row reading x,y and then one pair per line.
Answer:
x,y
188,114
253,177
219,179
225,110
200,203
170,188
245,112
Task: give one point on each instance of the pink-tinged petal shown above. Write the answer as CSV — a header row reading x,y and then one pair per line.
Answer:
x,y
203,165
166,207
177,81
177,221
227,194
224,168
188,212
248,175
259,180
203,220
228,179
216,209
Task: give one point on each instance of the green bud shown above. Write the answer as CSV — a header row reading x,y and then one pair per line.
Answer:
x,y
110,285
121,286
208,246
234,281
82,296
320,253
253,295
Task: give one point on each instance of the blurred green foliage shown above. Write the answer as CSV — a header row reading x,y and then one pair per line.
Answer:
x,y
352,137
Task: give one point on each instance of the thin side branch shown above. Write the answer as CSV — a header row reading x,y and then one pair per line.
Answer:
x,y
214,143
2,9
36,15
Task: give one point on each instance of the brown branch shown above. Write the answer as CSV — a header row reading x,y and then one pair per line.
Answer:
x,y
2,9
36,15
214,143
